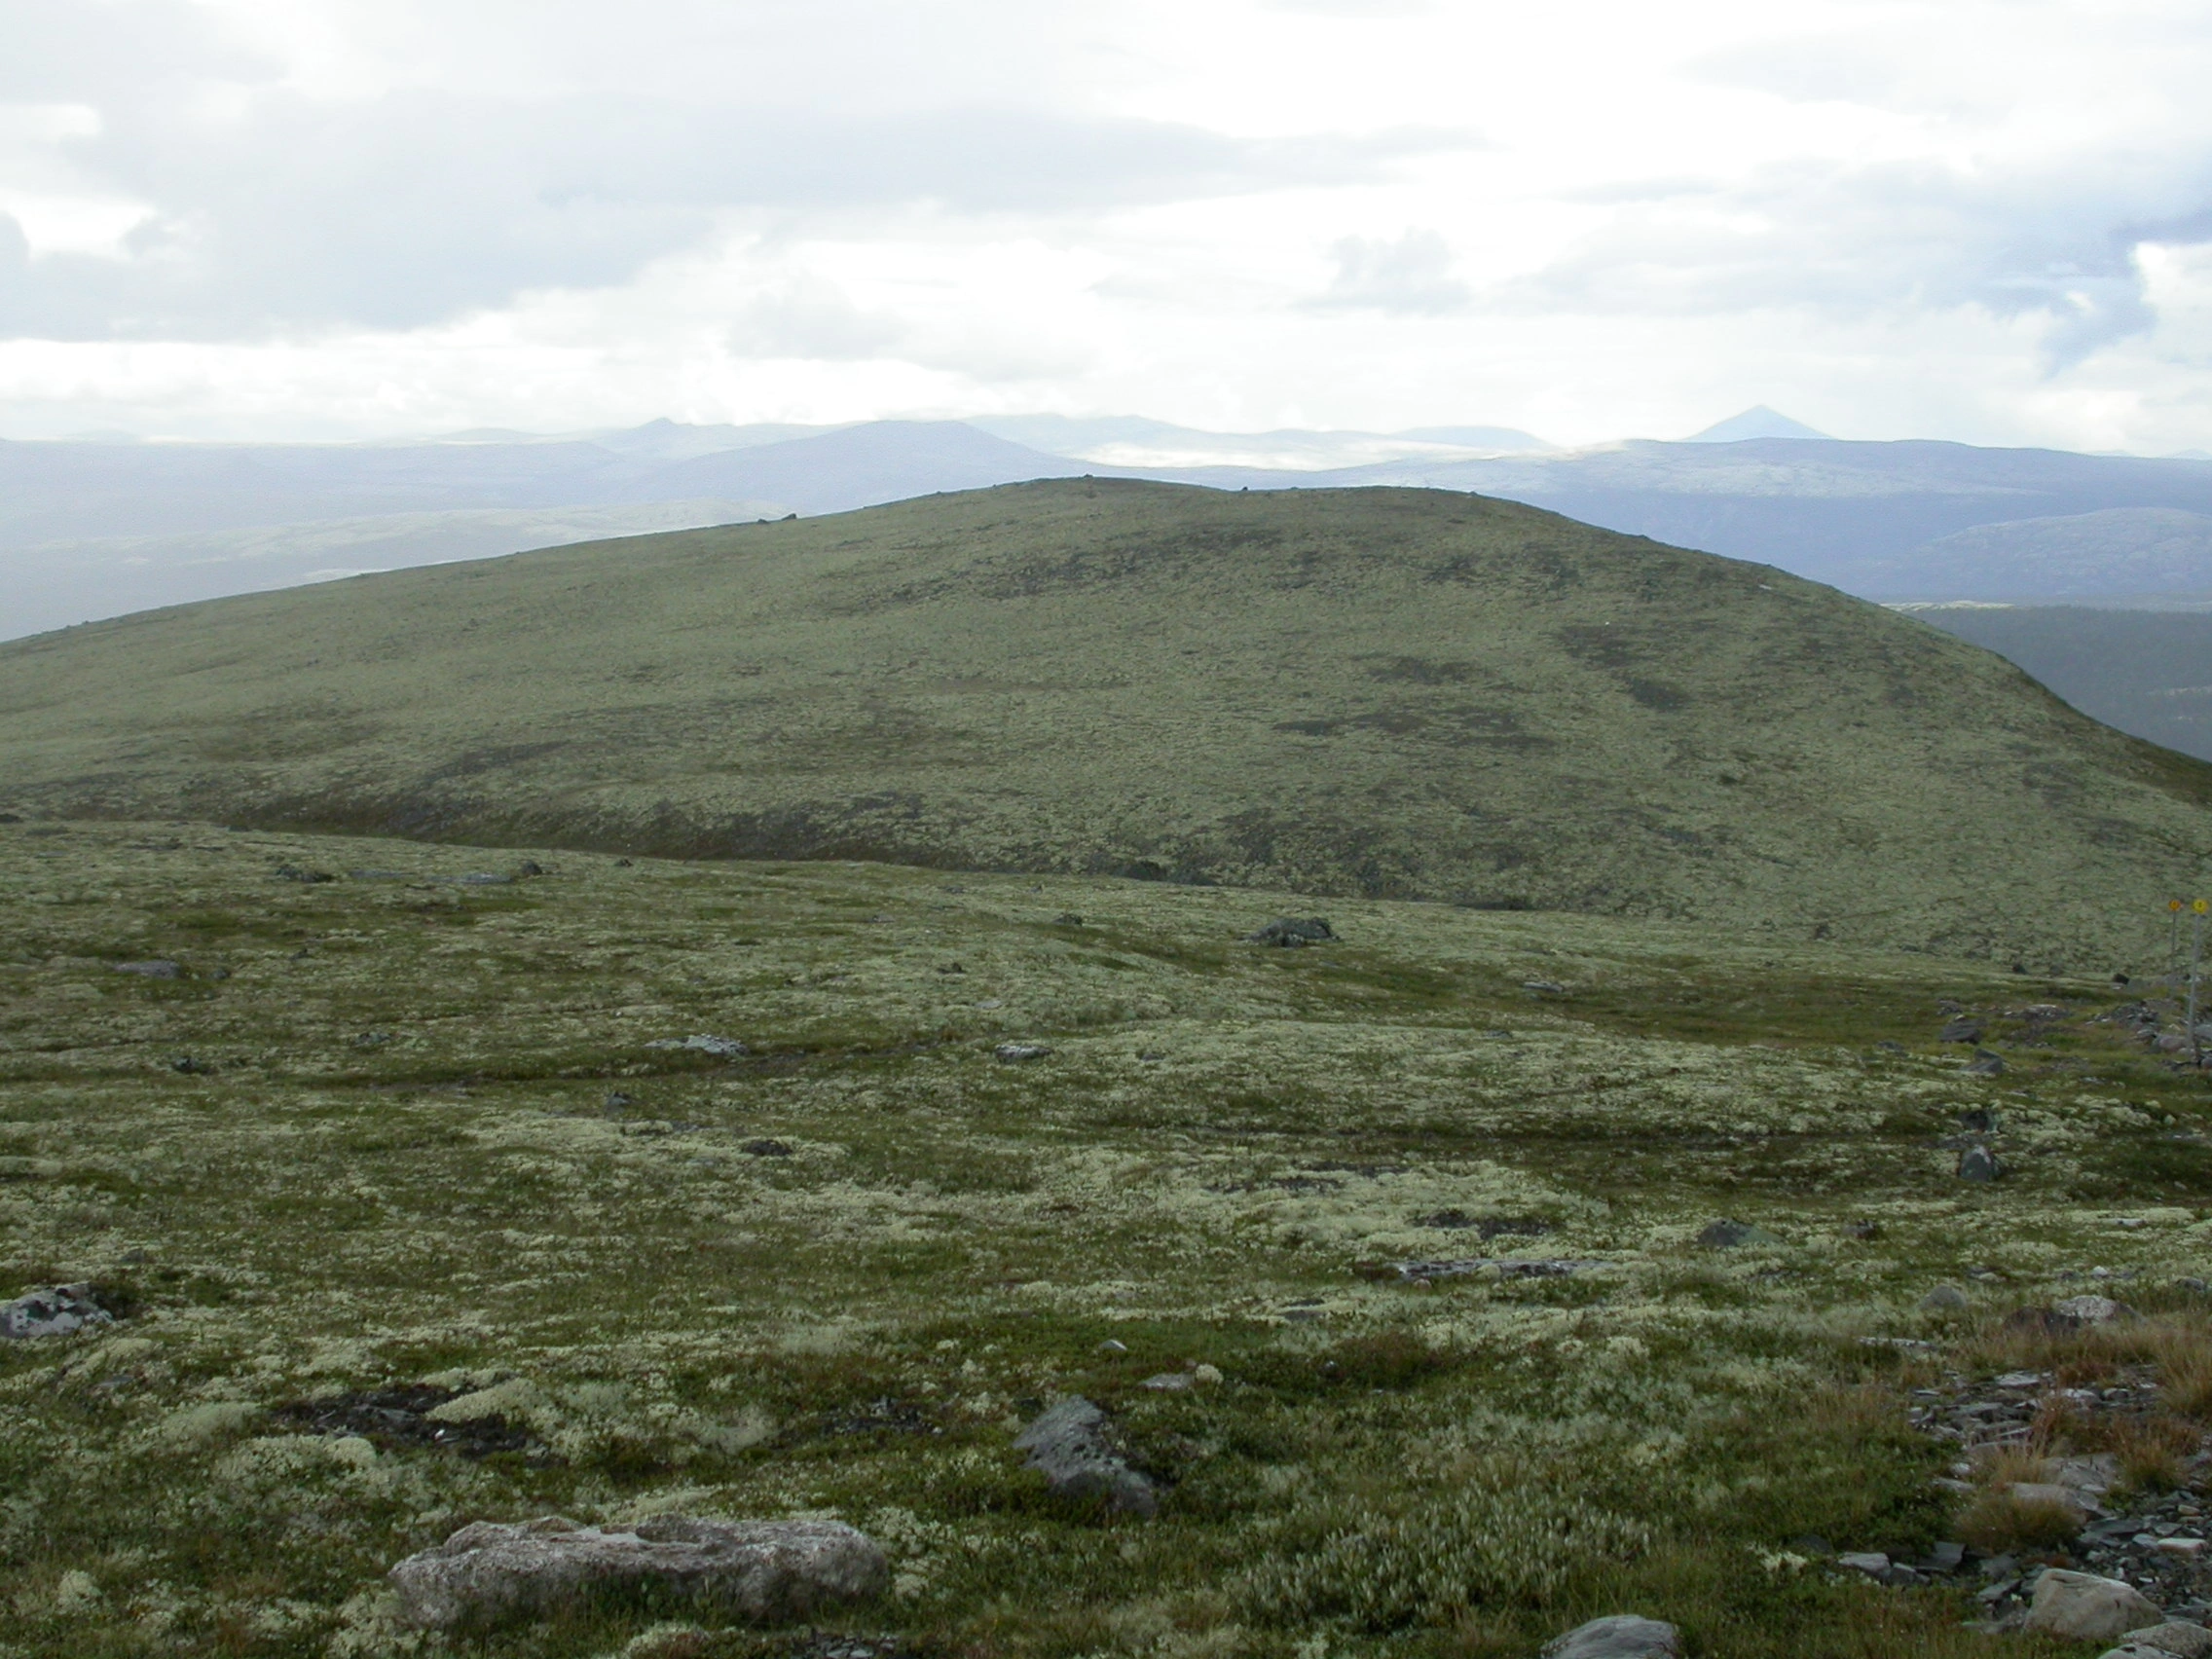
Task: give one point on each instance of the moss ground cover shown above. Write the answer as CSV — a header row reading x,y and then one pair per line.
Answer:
x,y
402,1136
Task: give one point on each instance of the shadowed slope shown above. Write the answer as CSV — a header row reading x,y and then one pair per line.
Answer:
x,y
1387,692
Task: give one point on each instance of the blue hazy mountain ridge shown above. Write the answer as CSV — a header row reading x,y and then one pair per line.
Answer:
x,y
54,585
53,492
859,466
1078,435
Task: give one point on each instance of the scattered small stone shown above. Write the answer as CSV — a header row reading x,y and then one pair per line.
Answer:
x,y
1292,933
1986,1063
192,1067
1891,1045
52,1312
2018,1380
1963,1031
1977,1121
1622,1636
1014,1054
764,1571
953,968
1945,1298
765,1149
1893,1574
1508,1267
1069,1446
2092,1310
1110,1345
1168,1381
1731,1234
311,877
1871,1563
721,1047
1067,919
529,867
151,970
1942,1557
1544,987
1979,1164
2084,1607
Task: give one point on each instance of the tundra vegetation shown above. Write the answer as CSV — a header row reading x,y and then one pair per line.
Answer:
x,y
416,1206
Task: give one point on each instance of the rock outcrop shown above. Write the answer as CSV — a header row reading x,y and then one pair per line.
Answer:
x,y
765,1571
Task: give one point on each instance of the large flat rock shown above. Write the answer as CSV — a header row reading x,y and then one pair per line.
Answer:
x,y
765,1571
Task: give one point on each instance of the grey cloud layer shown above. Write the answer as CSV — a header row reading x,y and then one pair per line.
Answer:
x,y
2058,242
415,206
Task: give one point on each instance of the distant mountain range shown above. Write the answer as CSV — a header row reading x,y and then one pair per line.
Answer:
x,y
1910,521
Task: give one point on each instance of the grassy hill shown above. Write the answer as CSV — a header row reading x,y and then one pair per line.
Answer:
x,y
1387,693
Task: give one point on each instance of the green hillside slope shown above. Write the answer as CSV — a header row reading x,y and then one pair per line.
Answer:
x,y
1394,692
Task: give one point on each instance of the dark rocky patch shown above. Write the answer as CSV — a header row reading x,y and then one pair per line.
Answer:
x,y
391,1419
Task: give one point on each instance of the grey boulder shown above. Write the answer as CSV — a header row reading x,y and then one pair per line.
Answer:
x,y
765,1571
54,1311
1070,1448
2084,1607
1623,1636
1979,1164
1292,931
1731,1234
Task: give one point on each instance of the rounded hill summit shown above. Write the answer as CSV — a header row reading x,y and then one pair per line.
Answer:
x,y
1392,692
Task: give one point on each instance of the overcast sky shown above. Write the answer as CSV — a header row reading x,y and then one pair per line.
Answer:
x,y
1980,219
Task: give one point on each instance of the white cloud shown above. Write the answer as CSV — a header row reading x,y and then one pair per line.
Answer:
x,y
1971,218
1411,277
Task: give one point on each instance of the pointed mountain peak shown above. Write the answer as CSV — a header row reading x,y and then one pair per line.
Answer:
x,y
1756,421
